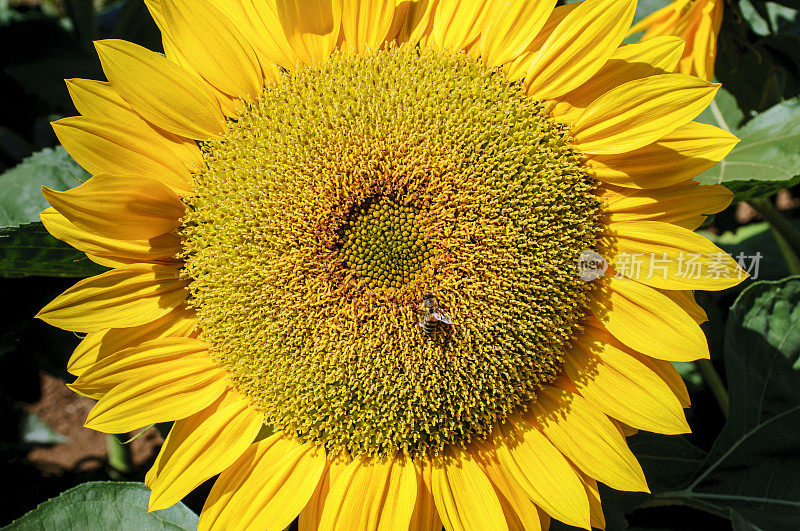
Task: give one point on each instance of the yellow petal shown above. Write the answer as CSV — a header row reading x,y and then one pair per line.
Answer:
x,y
135,363
229,65
386,490
512,26
578,47
587,438
686,204
639,112
201,446
310,515
112,251
122,207
99,100
518,68
266,487
128,296
458,23
102,146
97,346
600,366
464,497
667,372
161,91
425,517
633,61
268,36
529,459
685,299
676,157
598,520
171,390
311,27
648,321
666,256
366,23
520,512
418,21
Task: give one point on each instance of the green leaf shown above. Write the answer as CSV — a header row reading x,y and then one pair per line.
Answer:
x,y
668,461
21,198
752,468
767,155
104,505
30,250
84,18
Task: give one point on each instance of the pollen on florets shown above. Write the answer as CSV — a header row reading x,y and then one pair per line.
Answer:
x,y
348,191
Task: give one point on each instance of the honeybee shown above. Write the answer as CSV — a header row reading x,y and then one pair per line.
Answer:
x,y
433,315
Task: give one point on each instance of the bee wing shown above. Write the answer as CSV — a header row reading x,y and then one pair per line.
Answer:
x,y
442,316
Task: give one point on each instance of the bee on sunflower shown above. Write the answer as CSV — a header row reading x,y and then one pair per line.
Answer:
x,y
278,192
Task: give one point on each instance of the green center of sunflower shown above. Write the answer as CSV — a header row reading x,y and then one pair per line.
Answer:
x,y
346,194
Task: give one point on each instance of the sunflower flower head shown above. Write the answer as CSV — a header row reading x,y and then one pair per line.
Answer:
x,y
346,242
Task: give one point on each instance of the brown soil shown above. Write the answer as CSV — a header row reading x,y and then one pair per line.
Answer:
x,y
65,412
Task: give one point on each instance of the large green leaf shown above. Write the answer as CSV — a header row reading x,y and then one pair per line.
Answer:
x,y
21,197
767,158
30,250
751,472
105,505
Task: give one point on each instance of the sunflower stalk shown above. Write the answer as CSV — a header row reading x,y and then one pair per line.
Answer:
x,y
714,382
787,238
119,458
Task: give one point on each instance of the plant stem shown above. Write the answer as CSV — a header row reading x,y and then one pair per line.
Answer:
x,y
119,458
783,230
714,382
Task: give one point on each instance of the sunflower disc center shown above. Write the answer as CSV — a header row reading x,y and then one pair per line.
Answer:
x,y
349,191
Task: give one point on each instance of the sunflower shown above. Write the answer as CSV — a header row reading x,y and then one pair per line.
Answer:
x,y
277,194
696,21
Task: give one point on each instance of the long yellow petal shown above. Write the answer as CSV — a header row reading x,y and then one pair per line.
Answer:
x,y
686,204
666,256
676,157
587,438
529,459
685,299
366,23
122,207
311,27
128,296
229,65
99,100
640,112
418,21
111,251
135,363
310,515
464,497
102,146
386,490
425,517
520,512
648,321
600,366
633,61
97,346
201,446
597,518
269,38
579,47
160,90
667,372
172,390
458,23
512,26
266,488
